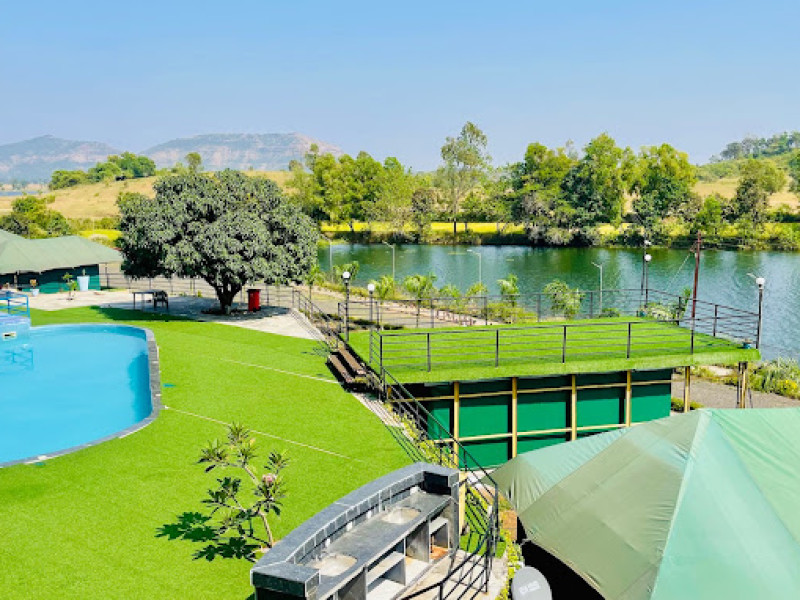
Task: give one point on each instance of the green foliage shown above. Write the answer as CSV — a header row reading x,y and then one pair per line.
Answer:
x,y
125,166
661,181
563,299
31,218
509,289
677,405
709,219
465,165
228,229
594,187
477,289
385,287
794,171
753,147
779,376
759,180
194,162
423,206
236,524
420,286
351,267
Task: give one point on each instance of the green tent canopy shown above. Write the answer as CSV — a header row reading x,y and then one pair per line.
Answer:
x,y
20,255
704,505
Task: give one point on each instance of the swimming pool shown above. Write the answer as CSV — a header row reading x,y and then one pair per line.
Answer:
x,y
66,386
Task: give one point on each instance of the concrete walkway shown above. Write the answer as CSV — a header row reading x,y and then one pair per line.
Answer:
x,y
281,321
719,395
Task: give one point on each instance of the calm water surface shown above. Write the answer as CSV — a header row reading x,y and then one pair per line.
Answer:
x,y
723,275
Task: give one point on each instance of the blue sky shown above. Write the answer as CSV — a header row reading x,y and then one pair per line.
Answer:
x,y
396,78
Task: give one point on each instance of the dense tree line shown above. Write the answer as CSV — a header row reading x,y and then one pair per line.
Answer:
x,y
755,147
116,168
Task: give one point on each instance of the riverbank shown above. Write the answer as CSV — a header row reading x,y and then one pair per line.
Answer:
x,y
771,236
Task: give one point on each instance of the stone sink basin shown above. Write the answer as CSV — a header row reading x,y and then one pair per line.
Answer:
x,y
398,516
333,564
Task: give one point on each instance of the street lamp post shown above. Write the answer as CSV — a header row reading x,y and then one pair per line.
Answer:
x,y
371,290
346,280
392,246
760,281
480,265
647,259
601,285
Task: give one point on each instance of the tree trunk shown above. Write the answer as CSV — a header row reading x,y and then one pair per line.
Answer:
x,y
225,295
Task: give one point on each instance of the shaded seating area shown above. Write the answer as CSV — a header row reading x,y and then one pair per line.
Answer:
x,y
701,505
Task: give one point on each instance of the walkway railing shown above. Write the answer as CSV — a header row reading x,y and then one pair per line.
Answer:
x,y
410,423
14,304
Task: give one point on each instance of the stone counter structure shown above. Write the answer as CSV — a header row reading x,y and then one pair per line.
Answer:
x,y
372,543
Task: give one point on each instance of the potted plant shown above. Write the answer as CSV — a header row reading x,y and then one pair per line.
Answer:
x,y
83,281
34,288
72,285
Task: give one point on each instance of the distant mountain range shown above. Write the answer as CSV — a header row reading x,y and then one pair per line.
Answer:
x,y
35,159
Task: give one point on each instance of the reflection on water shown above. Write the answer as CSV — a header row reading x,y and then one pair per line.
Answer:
x,y
723,275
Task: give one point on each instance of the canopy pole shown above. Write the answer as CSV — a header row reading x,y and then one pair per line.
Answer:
x,y
687,383
573,435
628,398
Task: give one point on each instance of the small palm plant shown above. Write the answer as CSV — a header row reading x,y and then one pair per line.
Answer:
x,y
420,287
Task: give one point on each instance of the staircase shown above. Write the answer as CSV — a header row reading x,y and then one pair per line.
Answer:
x,y
347,368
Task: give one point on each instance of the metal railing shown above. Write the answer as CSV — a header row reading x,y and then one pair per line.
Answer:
x,y
14,304
410,423
661,326
469,573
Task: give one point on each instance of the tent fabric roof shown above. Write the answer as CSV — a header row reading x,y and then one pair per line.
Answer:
x,y
702,505
20,255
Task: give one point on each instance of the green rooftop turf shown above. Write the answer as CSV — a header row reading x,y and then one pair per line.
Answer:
x,y
598,345
84,525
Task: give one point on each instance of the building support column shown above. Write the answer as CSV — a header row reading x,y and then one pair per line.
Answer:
x,y
514,421
628,398
687,384
456,410
742,400
573,411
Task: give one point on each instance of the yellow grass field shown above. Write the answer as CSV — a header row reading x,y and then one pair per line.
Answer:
x,y
97,200
727,188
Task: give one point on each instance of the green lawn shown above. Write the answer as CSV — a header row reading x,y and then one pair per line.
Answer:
x,y
84,525
597,345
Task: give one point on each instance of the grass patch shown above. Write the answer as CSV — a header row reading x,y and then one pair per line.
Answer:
x,y
593,345
84,525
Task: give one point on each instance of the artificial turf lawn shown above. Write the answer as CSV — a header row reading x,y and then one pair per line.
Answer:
x,y
84,525
596,345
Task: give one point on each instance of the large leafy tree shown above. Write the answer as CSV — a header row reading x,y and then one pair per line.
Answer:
x,y
759,180
661,181
30,217
227,228
465,165
595,186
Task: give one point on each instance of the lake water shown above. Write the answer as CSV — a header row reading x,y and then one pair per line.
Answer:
x,y
723,275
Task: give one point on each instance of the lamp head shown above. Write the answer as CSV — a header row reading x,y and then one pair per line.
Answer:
x,y
647,258
346,276
371,288
760,282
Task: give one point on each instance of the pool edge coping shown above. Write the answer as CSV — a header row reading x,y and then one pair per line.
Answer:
x,y
154,381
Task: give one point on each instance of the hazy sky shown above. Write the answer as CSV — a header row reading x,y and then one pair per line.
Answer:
x,y
395,78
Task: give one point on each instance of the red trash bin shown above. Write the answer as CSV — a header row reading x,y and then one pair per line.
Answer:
x,y
253,300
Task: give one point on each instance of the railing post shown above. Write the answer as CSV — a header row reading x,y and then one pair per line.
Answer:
x,y
564,346
429,351
591,305
630,327
538,307
691,344
716,310
380,351
497,348
486,309
433,323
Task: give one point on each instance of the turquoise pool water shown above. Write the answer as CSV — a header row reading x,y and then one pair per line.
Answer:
x,y
66,385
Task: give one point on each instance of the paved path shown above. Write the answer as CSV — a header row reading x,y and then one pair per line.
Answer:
x,y
719,395
281,321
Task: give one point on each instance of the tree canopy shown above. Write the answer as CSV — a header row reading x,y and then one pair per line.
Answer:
x,y
30,217
228,229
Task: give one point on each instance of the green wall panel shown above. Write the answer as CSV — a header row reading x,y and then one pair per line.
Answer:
x,y
51,282
442,411
547,410
490,453
650,402
534,442
601,406
484,416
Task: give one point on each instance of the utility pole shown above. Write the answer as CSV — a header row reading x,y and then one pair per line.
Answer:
x,y
696,249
